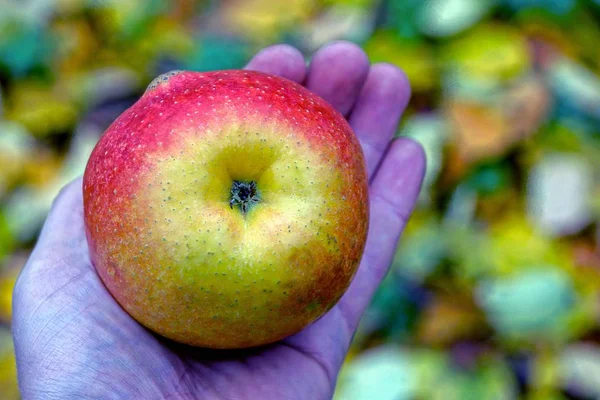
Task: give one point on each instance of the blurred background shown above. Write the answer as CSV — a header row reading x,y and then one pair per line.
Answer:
x,y
495,289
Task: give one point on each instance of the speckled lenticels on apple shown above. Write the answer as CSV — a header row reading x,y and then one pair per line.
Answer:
x,y
226,209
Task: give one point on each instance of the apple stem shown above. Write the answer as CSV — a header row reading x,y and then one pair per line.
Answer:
x,y
244,194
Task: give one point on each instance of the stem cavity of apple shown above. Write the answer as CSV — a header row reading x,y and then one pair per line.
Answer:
x,y
244,194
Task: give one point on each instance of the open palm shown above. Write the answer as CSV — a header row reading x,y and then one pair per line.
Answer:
x,y
73,340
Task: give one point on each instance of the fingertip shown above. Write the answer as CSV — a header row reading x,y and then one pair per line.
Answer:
x,y
392,83
280,59
342,48
65,216
341,54
407,154
337,73
409,149
69,195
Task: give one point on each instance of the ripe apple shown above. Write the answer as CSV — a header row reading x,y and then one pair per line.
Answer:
x,y
226,209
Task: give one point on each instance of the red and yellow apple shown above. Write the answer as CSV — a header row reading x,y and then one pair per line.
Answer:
x,y
226,209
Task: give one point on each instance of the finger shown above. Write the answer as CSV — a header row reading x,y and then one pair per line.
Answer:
x,y
337,73
63,230
281,60
377,112
393,194
62,240
57,262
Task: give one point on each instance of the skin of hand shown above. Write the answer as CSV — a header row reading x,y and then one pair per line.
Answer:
x,y
73,341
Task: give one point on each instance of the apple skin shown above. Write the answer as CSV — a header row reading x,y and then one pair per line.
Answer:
x,y
165,240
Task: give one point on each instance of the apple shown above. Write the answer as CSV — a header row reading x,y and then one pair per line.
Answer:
x,y
226,209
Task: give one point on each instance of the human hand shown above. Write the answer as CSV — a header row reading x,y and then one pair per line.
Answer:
x,y
72,339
